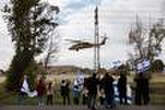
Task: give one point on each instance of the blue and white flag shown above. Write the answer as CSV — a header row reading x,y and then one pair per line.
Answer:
x,y
79,80
116,64
116,93
143,66
25,89
25,86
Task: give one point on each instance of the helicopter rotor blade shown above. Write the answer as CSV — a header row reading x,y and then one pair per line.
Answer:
x,y
73,41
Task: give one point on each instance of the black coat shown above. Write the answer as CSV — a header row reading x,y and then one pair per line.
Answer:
x,y
65,90
92,85
107,85
122,84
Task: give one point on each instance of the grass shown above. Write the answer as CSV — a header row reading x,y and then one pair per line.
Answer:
x,y
2,79
5,97
13,98
158,99
157,85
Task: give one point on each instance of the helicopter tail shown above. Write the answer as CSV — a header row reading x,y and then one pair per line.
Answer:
x,y
104,41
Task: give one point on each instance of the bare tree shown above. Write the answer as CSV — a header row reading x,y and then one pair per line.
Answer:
x,y
51,49
137,37
163,7
147,43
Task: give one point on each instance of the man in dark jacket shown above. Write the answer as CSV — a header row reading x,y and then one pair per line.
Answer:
x,y
142,89
138,89
122,87
145,89
65,91
107,84
92,91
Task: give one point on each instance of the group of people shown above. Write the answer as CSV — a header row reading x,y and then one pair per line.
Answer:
x,y
92,87
42,89
105,88
107,94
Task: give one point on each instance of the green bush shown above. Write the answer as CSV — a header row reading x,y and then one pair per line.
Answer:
x,y
157,66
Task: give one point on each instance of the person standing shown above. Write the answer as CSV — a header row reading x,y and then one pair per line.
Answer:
x,y
122,87
107,84
101,96
76,94
145,90
92,91
138,89
142,89
85,96
41,90
65,91
50,92
24,90
68,89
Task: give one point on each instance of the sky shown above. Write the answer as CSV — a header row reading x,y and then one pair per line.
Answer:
x,y
76,20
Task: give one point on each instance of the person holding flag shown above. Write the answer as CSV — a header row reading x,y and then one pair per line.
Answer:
x,y
24,90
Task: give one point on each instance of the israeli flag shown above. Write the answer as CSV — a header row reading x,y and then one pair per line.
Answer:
x,y
25,89
116,93
32,94
116,64
79,80
25,86
143,66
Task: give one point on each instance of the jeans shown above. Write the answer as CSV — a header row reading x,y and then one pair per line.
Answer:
x,y
49,100
85,100
109,100
66,98
122,97
40,100
92,101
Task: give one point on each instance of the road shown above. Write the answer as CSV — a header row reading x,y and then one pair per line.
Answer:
x,y
80,108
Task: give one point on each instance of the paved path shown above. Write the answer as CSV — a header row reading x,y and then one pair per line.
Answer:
x,y
80,108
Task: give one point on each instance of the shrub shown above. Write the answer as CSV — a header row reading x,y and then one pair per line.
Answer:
x,y
157,66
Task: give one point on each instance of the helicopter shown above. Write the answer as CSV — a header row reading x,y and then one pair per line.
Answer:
x,y
79,45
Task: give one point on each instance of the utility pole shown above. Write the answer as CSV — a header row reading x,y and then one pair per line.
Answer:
x,y
96,38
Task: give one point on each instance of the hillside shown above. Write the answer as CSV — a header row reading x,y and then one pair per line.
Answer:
x,y
66,69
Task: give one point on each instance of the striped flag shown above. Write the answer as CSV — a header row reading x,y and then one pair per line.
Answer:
x,y
116,64
116,93
143,66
